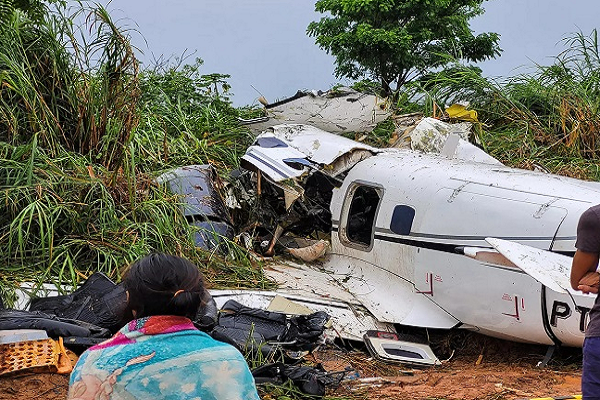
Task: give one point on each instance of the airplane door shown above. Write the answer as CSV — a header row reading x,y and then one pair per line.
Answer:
x,y
500,300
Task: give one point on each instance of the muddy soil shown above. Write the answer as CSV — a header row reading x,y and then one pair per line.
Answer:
x,y
477,368
463,379
483,369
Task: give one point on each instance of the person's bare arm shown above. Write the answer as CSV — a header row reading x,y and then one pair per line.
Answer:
x,y
583,263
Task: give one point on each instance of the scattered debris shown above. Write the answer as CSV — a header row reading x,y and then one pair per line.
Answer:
x,y
348,318
387,239
54,326
311,252
37,355
310,380
386,346
269,335
337,110
203,204
98,301
286,306
460,112
267,332
403,226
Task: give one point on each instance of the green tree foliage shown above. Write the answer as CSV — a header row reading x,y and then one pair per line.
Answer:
x,y
395,41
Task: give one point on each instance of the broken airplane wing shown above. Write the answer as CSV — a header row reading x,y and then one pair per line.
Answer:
x,y
550,269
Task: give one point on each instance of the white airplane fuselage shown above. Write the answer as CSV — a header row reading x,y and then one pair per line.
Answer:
x,y
405,260
409,232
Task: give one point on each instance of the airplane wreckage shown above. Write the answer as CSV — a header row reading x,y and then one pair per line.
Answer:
x,y
404,241
443,241
336,110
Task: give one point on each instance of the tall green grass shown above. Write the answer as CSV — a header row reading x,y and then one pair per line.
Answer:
x,y
50,88
548,117
83,134
187,118
62,218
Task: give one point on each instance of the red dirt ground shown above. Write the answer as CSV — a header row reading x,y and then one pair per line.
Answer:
x,y
483,369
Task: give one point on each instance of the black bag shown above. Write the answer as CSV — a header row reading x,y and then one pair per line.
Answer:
x,y
99,301
310,380
305,330
266,332
53,325
250,329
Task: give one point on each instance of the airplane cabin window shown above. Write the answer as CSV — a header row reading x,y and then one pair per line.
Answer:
x,y
402,219
361,216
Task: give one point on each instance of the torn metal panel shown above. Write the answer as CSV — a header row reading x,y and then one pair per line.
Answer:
x,y
22,335
456,147
271,161
199,189
339,110
387,347
306,280
346,161
289,307
349,321
300,162
387,298
317,145
303,148
551,269
430,134
202,203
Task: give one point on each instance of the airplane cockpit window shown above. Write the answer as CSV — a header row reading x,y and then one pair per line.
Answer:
x,y
361,216
402,219
270,142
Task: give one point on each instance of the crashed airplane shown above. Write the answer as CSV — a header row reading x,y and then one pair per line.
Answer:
x,y
430,240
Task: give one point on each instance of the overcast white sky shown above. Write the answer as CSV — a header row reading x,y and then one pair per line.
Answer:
x,y
263,43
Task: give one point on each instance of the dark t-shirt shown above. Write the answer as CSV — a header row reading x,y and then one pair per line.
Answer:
x,y
588,240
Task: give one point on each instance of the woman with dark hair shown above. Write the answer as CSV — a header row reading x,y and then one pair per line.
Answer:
x,y
160,354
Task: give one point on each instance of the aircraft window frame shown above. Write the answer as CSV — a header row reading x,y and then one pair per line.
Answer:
x,y
349,202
